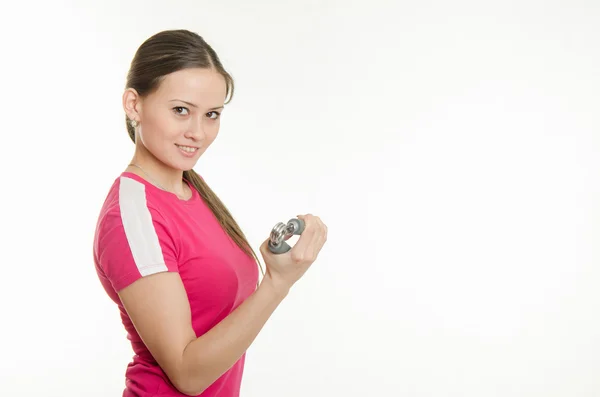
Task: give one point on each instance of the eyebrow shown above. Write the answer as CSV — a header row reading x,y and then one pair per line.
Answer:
x,y
194,105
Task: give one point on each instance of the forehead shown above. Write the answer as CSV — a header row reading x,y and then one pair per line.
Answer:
x,y
204,87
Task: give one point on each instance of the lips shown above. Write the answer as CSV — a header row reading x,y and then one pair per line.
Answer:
x,y
187,149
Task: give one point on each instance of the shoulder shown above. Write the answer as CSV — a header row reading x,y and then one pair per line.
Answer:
x,y
131,204
133,238
134,194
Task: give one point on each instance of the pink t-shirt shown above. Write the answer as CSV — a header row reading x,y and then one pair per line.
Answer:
x,y
143,230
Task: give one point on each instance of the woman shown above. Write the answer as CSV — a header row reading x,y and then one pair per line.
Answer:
x,y
166,249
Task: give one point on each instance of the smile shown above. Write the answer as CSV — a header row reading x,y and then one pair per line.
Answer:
x,y
187,149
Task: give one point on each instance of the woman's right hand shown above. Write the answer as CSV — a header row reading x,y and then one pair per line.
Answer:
x,y
283,270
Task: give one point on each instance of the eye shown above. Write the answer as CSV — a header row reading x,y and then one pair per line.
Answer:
x,y
217,115
178,108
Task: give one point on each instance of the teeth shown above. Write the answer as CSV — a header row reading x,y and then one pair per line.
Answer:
x,y
187,148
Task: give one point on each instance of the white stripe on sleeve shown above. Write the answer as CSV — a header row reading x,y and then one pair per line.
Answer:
x,y
139,229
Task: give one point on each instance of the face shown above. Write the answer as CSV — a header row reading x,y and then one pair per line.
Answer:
x,y
181,119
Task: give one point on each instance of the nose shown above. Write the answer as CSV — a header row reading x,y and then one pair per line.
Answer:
x,y
196,130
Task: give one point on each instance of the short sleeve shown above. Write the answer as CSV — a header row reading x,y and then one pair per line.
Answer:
x,y
134,241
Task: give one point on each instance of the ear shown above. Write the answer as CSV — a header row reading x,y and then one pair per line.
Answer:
x,y
132,104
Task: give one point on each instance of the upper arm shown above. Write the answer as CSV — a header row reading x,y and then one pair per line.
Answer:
x,y
137,252
158,307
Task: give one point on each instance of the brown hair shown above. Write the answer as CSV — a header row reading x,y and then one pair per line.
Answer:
x,y
167,52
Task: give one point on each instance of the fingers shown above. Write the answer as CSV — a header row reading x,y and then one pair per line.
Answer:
x,y
323,229
311,240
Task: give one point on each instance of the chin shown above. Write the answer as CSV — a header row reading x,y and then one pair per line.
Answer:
x,y
187,167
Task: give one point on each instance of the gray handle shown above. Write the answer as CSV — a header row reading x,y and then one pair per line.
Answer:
x,y
283,232
298,225
280,248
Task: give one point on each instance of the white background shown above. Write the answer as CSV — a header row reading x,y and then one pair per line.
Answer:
x,y
450,147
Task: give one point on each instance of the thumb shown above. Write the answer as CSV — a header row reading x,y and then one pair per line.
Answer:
x,y
264,246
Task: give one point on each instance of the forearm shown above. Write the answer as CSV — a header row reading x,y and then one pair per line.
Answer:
x,y
206,358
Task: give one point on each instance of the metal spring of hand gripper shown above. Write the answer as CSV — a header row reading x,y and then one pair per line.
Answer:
x,y
282,232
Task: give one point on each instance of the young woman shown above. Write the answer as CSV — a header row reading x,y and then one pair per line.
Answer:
x,y
167,251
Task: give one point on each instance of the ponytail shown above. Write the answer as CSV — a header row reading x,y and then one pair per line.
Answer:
x,y
222,214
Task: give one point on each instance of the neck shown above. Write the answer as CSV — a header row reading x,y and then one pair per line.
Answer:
x,y
163,177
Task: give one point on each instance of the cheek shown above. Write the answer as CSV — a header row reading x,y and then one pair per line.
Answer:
x,y
157,138
164,129
213,131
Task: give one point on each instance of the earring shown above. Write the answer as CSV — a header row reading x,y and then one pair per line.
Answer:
x,y
134,123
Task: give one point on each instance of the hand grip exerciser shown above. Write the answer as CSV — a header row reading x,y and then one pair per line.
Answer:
x,y
282,232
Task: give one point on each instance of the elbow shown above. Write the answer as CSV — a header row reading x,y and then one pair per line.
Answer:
x,y
190,386
188,376
191,391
